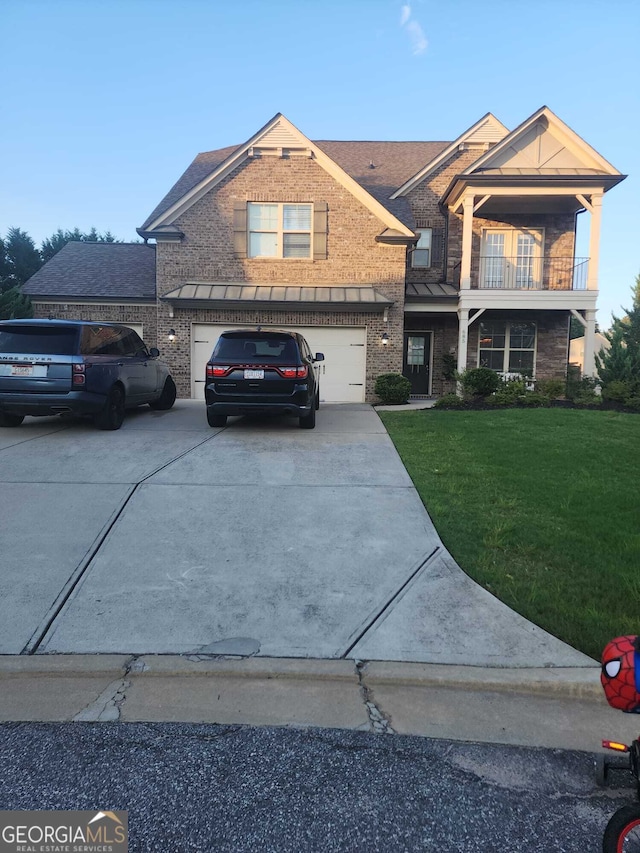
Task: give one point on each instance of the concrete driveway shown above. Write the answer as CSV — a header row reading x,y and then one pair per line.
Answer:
x,y
255,539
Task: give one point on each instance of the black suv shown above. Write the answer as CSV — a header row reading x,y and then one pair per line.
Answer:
x,y
262,371
52,367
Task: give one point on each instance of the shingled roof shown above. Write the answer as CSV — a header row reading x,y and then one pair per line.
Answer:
x,y
379,167
122,271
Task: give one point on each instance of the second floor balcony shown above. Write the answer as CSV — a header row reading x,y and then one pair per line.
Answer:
x,y
529,273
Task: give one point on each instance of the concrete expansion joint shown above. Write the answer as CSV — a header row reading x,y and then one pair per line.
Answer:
x,y
377,720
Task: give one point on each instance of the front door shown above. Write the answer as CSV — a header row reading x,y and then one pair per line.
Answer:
x,y
417,358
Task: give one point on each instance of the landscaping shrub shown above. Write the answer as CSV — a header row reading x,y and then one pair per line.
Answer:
x,y
586,399
450,401
534,400
449,362
392,388
551,388
479,381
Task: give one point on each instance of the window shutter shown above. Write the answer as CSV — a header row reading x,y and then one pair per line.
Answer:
x,y
320,230
240,229
437,247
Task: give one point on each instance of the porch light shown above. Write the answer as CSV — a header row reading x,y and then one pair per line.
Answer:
x,y
385,339
172,335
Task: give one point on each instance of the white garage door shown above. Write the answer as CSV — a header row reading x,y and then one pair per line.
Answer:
x,y
342,373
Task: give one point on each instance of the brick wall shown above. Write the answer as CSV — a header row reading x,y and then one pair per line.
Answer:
x,y
425,206
353,257
107,313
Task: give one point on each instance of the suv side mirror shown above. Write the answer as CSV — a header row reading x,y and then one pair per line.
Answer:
x,y
319,356
154,352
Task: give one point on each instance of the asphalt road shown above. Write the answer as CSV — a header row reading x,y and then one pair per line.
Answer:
x,y
231,788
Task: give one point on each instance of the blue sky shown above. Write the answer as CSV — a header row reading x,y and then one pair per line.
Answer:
x,y
106,102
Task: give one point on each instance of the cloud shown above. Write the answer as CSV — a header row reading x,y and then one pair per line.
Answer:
x,y
417,37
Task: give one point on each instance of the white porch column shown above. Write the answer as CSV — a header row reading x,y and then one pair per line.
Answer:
x,y
594,243
467,242
589,368
463,335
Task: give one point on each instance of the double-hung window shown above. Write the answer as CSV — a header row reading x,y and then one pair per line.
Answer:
x,y
421,255
507,347
279,230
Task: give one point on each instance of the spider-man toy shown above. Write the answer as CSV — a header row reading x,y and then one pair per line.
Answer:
x,y
620,674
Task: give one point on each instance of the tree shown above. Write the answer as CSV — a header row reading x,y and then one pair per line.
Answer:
x,y
622,361
52,245
19,259
14,304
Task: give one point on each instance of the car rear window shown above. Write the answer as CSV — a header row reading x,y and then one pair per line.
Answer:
x,y
247,349
39,340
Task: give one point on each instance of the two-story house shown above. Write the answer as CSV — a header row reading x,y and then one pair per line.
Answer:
x,y
388,256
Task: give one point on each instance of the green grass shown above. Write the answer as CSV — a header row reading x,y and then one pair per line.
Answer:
x,y
541,507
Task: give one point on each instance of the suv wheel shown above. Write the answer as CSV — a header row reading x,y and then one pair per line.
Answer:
x,y
308,421
112,414
7,420
216,420
167,398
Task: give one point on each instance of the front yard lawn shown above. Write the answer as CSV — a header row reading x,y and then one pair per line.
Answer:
x,y
541,507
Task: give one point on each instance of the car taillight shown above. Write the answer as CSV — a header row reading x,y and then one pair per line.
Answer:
x,y
293,372
217,370
78,377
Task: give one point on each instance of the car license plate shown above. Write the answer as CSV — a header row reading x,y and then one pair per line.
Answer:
x,y
254,374
23,370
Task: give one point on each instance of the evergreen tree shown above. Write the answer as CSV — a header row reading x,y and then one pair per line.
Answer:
x,y
14,304
622,361
19,259
52,245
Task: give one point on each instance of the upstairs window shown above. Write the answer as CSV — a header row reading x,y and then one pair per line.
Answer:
x,y
421,255
279,230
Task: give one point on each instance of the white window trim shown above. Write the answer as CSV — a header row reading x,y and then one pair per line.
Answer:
x,y
511,242
507,349
281,231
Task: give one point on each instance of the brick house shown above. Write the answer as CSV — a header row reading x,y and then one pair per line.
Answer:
x,y
389,256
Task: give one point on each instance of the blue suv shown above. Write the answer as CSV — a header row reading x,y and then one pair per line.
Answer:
x,y
53,367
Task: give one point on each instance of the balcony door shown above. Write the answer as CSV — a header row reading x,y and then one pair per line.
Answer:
x,y
511,259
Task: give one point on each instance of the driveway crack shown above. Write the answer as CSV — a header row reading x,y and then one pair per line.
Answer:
x,y
378,722
106,708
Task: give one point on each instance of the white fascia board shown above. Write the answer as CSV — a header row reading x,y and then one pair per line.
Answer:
x,y
539,300
444,155
539,189
575,142
321,158
431,307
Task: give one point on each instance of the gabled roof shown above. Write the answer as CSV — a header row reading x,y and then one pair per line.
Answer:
x,y
542,144
122,271
396,161
542,151
486,131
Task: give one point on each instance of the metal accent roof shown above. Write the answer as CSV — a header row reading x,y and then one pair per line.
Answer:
x,y
329,297
422,289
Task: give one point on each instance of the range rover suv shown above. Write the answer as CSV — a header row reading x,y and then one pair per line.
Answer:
x,y
254,371
52,367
